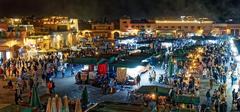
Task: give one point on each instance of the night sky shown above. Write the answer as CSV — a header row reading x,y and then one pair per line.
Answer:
x,y
87,9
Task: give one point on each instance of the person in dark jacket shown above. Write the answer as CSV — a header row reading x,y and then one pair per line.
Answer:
x,y
223,107
208,96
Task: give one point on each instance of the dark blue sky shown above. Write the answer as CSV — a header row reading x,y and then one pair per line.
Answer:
x,y
215,9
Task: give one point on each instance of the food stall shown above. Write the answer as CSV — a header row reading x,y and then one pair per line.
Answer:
x,y
186,102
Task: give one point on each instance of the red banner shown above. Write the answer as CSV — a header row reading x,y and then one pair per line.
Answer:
x,y
102,69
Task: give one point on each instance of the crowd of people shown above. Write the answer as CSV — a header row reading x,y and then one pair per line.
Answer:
x,y
216,63
23,73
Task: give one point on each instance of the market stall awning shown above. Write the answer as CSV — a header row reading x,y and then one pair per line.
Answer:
x,y
170,40
205,38
138,56
126,63
83,60
187,99
144,48
102,61
117,107
161,91
145,42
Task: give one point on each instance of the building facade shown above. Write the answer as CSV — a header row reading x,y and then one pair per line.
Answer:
x,y
102,30
226,29
176,27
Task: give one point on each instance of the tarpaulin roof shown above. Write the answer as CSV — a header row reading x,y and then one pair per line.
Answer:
x,y
91,60
127,63
187,99
84,60
117,107
161,91
205,38
145,42
138,56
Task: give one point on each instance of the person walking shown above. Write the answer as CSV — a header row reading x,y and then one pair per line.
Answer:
x,y
72,70
208,96
216,105
138,80
211,82
238,105
50,86
55,71
16,98
233,96
63,71
223,106
224,78
53,87
232,79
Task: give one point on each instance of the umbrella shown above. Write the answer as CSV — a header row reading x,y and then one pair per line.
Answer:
x,y
56,100
48,109
65,104
78,107
59,105
54,108
35,100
